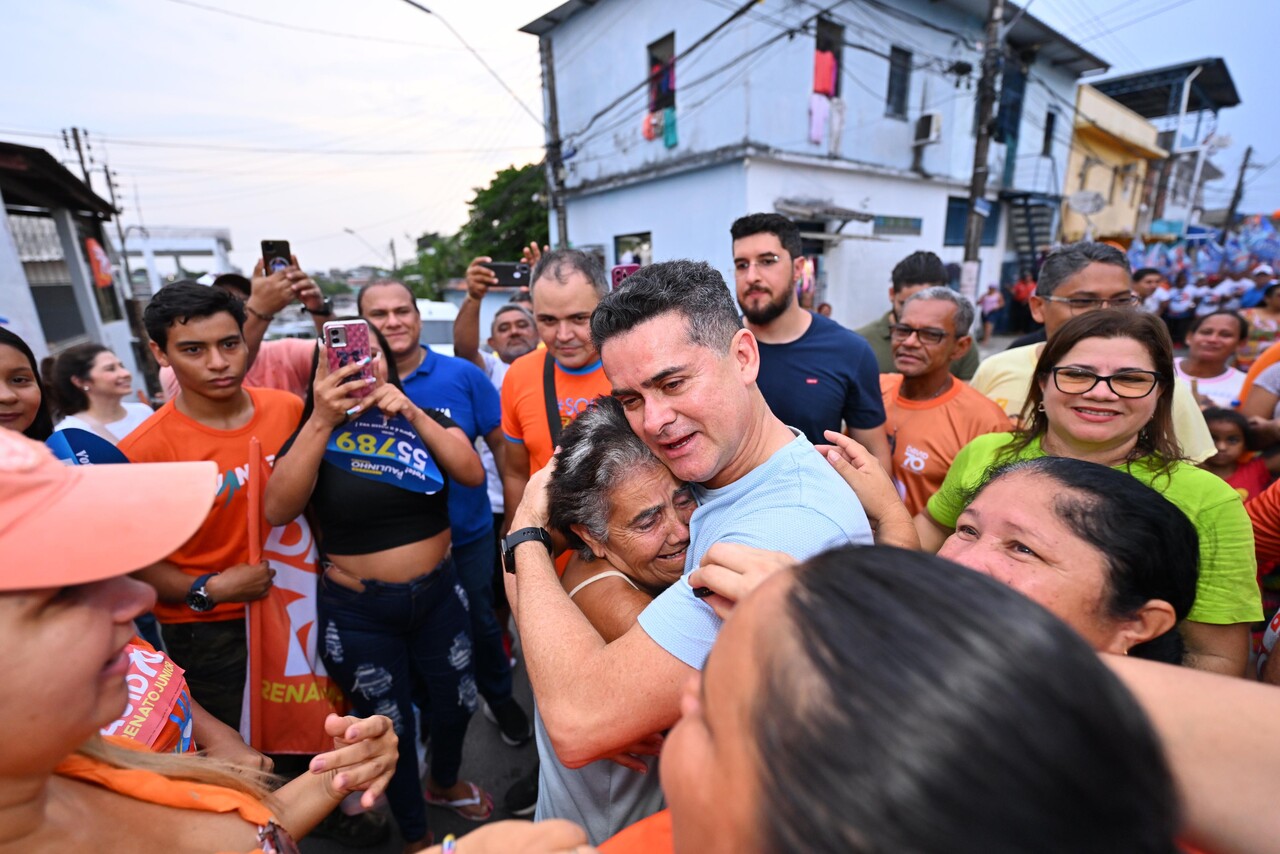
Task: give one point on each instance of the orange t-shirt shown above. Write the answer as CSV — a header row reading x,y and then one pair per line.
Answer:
x,y
925,435
223,539
524,407
648,836
283,364
152,788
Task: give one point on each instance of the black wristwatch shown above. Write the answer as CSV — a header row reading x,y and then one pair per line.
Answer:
x,y
198,598
524,535
325,309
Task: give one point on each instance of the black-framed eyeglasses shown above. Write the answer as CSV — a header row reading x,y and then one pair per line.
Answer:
x,y
1079,304
1129,384
926,334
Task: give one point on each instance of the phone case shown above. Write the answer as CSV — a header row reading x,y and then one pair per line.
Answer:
x,y
621,272
275,255
355,348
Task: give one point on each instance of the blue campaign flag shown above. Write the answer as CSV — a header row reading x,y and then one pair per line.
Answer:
x,y
1137,253
384,449
1209,259
77,447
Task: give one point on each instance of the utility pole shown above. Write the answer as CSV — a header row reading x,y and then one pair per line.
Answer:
x,y
982,144
394,265
555,159
1239,191
80,144
124,255
132,305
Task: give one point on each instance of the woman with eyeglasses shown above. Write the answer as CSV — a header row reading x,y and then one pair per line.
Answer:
x,y
1102,392
1212,342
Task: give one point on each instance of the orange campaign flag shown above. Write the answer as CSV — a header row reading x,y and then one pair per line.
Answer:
x,y
288,694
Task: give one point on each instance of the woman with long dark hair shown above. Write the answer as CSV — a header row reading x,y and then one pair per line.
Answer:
x,y
24,402
90,389
392,612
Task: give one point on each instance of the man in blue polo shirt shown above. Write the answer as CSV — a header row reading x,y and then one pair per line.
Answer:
x,y
814,374
464,393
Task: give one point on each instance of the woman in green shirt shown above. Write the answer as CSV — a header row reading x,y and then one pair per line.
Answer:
x,y
1102,393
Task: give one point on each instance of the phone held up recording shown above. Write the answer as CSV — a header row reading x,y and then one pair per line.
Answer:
x,y
346,342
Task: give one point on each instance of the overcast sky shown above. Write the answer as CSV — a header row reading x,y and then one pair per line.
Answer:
x,y
168,71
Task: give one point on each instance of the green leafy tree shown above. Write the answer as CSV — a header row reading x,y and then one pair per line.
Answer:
x,y
440,258
507,215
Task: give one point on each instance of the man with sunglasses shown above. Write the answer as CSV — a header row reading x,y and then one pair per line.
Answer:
x,y
1074,280
930,414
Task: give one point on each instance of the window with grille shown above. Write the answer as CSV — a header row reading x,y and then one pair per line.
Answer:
x,y
43,260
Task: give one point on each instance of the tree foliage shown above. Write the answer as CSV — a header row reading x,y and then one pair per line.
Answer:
x,y
505,216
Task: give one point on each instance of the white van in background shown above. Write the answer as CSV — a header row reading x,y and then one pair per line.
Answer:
x,y
437,325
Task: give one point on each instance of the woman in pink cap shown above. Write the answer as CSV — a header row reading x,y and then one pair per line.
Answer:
x,y
69,536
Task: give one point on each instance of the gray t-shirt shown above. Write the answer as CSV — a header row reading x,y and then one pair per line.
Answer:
x,y
602,797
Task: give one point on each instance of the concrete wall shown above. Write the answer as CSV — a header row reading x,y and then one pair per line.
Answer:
x,y
859,268
17,308
687,215
764,97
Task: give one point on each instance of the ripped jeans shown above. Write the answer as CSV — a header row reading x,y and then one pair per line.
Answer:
x,y
377,643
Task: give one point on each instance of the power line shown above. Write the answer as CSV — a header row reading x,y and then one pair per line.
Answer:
x,y
480,59
312,30
1262,171
258,149
1137,19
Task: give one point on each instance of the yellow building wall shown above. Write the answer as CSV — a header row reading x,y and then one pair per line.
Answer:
x,y
1110,149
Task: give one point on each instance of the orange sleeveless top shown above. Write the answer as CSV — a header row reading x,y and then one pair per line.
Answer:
x,y
152,788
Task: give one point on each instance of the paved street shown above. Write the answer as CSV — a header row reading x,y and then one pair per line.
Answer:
x,y
486,761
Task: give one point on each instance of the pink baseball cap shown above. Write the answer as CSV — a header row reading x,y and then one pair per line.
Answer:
x,y
62,525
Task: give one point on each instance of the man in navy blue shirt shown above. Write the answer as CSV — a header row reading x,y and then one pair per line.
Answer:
x,y
814,374
463,392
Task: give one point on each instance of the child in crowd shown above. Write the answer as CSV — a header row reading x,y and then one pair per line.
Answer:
x,y
1232,436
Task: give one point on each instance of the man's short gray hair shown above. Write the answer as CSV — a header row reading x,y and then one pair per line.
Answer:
x,y
1063,263
559,263
964,308
506,308
598,452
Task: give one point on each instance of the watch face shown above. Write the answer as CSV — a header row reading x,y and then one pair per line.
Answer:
x,y
198,600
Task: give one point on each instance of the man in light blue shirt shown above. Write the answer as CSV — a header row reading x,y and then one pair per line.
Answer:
x,y
684,369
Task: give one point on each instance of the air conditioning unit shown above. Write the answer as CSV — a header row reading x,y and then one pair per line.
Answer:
x,y
928,129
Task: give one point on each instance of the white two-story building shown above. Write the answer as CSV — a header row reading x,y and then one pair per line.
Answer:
x,y
854,118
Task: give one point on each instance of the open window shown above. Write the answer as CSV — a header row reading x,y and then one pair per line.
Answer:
x,y
828,58
662,73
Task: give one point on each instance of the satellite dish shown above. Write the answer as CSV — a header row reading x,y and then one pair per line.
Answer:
x,y
1086,202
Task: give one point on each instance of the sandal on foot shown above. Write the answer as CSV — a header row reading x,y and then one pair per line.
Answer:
x,y
479,797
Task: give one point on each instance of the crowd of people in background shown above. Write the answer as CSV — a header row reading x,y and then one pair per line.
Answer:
x,y
777,584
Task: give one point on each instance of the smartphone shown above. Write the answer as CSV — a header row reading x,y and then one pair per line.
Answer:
x,y
276,255
620,272
513,274
347,341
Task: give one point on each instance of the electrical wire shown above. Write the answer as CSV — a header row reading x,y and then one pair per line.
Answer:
x,y
481,60
310,30
258,149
